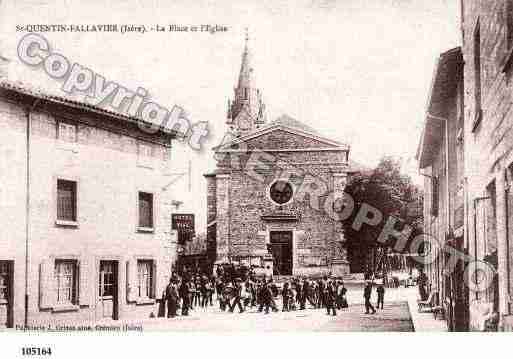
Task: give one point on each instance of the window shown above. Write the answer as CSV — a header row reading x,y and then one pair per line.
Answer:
x,y
145,278
490,245
145,210
65,281
145,155
281,192
477,76
66,200
107,279
434,196
67,132
4,281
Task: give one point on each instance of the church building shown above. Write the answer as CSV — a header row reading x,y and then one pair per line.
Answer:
x,y
275,184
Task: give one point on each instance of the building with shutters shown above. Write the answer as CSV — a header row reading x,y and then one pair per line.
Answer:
x,y
469,204
441,162
270,198
85,214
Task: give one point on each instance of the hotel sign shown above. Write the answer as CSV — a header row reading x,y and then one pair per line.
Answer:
x,y
184,225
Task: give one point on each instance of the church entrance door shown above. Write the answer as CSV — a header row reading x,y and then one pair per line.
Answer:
x,y
281,247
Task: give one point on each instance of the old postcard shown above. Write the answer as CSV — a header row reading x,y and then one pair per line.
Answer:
x,y
255,166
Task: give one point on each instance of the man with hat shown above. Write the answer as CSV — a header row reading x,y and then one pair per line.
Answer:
x,y
367,291
330,294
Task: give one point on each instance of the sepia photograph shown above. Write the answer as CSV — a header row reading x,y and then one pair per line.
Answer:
x,y
254,166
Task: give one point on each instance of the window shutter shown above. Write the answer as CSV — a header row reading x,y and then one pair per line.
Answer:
x,y
86,279
434,196
155,284
480,228
47,284
131,281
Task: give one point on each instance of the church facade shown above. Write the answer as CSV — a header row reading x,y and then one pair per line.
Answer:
x,y
271,198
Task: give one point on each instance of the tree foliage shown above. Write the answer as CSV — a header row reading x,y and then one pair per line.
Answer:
x,y
388,190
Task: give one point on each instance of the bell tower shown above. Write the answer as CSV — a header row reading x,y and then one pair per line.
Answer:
x,y
246,112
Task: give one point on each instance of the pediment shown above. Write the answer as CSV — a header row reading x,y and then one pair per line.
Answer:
x,y
280,138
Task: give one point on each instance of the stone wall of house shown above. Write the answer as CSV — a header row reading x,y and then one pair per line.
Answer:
x,y
109,172
489,142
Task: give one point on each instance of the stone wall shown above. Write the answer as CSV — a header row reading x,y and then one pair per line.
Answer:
x,y
243,198
109,172
489,143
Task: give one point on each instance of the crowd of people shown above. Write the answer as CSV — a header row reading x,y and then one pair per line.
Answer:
x,y
231,291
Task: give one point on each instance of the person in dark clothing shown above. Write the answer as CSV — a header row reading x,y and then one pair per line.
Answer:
x,y
211,290
309,292
367,291
341,296
274,292
185,294
266,298
253,290
286,295
227,293
192,293
422,283
330,294
197,292
205,288
238,296
219,291
381,295
320,293
301,294
171,298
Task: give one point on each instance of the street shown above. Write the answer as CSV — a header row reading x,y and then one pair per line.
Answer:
x,y
394,317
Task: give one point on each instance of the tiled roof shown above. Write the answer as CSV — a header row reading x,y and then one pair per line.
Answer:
x,y
448,72
44,95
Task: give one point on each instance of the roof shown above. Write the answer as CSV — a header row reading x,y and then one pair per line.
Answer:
x,y
288,124
287,121
448,72
40,94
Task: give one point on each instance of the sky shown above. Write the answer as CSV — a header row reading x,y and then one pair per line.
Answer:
x,y
358,71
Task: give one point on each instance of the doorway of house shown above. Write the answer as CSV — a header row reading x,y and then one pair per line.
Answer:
x,y
281,248
108,290
6,294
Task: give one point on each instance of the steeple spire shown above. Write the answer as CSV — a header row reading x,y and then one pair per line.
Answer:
x,y
247,111
246,79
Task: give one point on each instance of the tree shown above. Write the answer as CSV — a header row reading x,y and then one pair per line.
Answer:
x,y
392,193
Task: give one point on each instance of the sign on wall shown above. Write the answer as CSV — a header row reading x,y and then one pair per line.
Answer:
x,y
184,225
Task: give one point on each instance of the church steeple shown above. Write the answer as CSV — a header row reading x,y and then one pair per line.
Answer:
x,y
247,111
246,78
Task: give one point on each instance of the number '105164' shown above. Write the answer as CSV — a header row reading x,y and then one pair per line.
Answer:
x,y
33,351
